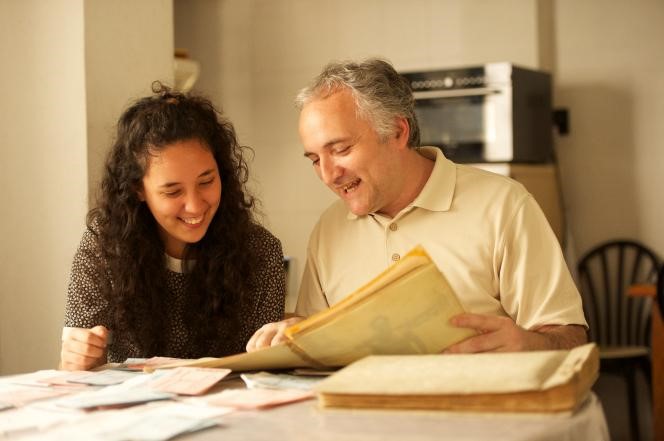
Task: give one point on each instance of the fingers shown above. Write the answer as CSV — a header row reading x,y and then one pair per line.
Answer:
x,y
96,336
265,336
101,332
271,334
83,348
479,343
496,334
480,323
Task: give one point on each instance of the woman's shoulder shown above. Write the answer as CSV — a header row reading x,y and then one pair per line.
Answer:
x,y
261,236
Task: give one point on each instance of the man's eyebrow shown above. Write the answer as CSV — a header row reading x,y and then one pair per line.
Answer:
x,y
173,184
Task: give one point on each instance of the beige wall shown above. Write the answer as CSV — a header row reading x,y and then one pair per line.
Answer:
x,y
256,54
42,173
610,74
128,45
68,68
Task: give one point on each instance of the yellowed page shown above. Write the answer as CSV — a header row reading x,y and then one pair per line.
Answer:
x,y
416,258
275,357
410,315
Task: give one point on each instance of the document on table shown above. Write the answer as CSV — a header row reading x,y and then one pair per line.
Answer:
x,y
151,422
39,378
279,381
104,378
247,399
114,397
189,380
17,396
138,364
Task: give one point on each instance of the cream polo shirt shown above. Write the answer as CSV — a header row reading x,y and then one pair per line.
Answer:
x,y
484,231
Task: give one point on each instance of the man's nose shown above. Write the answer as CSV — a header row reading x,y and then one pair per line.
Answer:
x,y
329,171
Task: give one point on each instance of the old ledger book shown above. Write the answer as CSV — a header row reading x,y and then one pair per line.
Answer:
x,y
404,310
538,381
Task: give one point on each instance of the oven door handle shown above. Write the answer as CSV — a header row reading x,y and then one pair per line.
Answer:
x,y
478,91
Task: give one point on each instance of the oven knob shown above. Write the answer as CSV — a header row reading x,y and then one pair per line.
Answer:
x,y
448,82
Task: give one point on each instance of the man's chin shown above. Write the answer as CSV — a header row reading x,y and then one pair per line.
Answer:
x,y
358,211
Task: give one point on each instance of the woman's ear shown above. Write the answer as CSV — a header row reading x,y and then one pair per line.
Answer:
x,y
140,193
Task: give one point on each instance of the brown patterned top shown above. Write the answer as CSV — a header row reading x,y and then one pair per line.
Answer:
x,y
86,307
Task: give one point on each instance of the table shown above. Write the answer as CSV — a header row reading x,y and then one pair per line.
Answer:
x,y
306,421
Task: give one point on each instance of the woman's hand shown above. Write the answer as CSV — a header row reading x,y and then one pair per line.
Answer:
x,y
271,334
83,348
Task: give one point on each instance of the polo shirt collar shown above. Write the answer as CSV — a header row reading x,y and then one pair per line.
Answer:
x,y
438,192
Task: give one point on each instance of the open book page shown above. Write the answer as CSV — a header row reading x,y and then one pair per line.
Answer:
x,y
409,316
275,357
416,258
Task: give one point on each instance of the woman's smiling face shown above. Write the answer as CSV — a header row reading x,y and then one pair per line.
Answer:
x,y
182,189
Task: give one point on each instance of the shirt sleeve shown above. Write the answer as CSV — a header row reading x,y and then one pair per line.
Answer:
x,y
85,306
536,287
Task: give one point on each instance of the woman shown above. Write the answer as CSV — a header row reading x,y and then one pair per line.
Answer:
x,y
172,262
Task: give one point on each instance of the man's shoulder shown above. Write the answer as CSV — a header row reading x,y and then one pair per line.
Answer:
x,y
489,184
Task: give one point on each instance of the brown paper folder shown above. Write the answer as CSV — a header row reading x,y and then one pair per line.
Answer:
x,y
404,310
538,381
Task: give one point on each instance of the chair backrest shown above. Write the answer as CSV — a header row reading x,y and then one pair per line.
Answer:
x,y
660,290
605,274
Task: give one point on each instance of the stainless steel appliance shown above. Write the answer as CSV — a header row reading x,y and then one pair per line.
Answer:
x,y
492,113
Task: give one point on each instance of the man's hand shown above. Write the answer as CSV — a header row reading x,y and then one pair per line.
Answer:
x,y
271,334
83,348
502,334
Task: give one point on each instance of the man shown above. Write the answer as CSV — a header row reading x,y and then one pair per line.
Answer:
x,y
485,232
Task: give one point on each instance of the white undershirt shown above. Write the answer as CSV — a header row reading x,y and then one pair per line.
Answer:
x,y
174,264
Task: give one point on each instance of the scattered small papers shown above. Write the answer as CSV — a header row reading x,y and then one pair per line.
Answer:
x,y
138,364
152,422
279,381
25,419
189,380
108,398
250,399
21,395
35,379
103,378
65,379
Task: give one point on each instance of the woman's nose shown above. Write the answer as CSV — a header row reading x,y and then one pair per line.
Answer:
x,y
194,203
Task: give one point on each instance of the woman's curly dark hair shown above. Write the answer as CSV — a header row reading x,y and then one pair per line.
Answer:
x,y
132,251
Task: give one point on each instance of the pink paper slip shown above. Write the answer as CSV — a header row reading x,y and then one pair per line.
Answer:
x,y
247,399
189,380
21,396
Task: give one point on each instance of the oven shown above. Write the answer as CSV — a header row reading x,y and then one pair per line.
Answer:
x,y
497,112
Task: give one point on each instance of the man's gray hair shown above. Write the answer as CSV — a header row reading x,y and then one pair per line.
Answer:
x,y
380,94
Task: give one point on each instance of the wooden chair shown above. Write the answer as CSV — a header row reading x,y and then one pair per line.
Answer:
x,y
619,324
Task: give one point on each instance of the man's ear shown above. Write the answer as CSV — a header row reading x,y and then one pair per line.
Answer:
x,y
402,132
